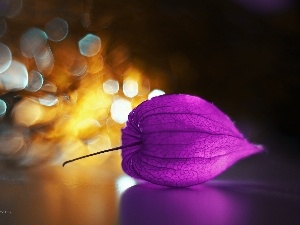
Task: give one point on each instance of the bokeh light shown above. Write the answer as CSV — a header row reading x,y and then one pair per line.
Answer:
x,y
130,88
87,130
111,87
14,78
124,182
44,59
155,92
89,45
77,65
49,87
3,107
48,100
56,29
12,141
71,96
35,81
10,8
27,112
32,41
120,110
5,57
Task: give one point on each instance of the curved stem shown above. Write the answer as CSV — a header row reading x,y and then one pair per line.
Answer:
x,y
104,151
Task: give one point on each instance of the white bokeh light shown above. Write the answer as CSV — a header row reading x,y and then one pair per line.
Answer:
x,y
155,92
5,57
15,77
130,88
3,107
111,87
123,183
120,109
48,100
35,81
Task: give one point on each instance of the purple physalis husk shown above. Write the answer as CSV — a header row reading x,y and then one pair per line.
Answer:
x,y
180,140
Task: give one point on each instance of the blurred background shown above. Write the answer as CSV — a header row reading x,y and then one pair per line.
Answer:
x,y
71,71
86,64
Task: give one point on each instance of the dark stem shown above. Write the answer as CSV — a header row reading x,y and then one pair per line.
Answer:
x,y
104,151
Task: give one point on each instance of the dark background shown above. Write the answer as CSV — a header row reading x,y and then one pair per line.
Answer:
x,y
241,55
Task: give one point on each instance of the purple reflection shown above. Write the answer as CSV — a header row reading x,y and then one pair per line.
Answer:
x,y
148,204
218,202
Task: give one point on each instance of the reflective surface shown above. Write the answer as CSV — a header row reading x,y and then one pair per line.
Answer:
x,y
54,197
77,195
205,205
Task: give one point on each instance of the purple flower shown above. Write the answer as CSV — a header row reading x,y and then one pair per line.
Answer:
x,y
182,140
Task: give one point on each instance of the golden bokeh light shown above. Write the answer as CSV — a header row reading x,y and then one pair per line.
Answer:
x,y
80,108
74,97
